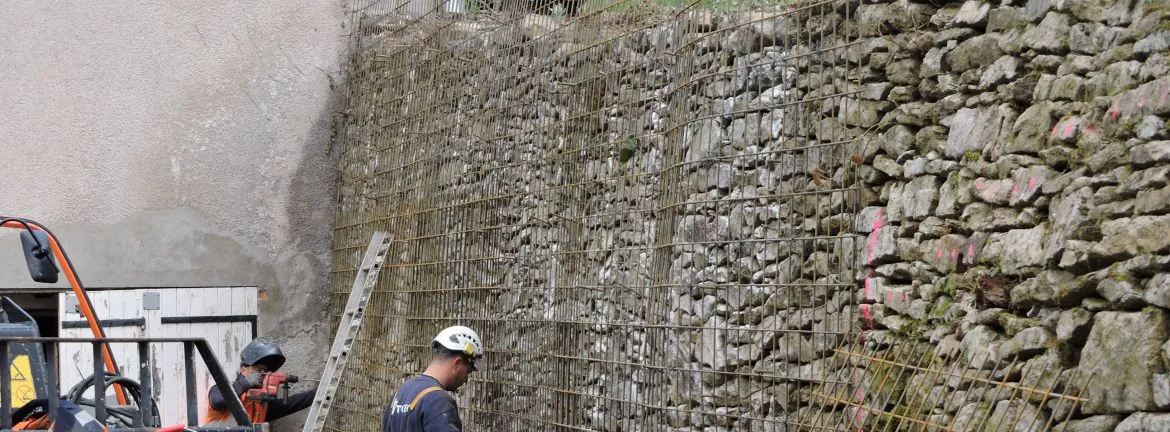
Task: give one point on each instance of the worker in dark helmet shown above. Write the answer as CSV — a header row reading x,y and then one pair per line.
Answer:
x,y
422,404
258,358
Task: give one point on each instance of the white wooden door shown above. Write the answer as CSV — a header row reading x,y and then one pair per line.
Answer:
x,y
224,316
121,312
226,338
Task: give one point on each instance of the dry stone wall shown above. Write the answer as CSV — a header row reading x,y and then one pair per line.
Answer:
x,y
1022,195
670,223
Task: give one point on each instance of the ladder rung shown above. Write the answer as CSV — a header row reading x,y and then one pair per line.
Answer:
x,y
347,331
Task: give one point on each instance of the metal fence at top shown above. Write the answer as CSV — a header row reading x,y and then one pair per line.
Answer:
x,y
645,210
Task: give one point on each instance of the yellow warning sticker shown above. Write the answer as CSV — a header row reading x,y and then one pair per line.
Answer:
x,y
23,390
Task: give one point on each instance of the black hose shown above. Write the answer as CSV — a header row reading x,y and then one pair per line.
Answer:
x,y
123,415
111,379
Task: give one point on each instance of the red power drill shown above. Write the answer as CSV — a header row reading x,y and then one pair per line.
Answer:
x,y
273,386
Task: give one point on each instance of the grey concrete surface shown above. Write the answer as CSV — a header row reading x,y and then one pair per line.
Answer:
x,y
178,144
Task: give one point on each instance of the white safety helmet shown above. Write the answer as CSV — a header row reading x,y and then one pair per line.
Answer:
x,y
460,339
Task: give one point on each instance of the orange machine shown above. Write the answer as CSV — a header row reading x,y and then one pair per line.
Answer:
x,y
46,259
38,242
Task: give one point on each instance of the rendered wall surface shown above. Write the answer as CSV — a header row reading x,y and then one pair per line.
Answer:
x,y
177,144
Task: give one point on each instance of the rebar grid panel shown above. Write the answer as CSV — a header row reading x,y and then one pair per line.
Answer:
x,y
646,212
908,387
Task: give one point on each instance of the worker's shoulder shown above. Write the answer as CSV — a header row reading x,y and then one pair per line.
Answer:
x,y
423,393
420,384
435,397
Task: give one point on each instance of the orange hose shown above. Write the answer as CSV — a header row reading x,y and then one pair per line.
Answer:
x,y
83,304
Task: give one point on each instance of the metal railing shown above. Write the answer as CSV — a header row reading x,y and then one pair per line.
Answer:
x,y
144,419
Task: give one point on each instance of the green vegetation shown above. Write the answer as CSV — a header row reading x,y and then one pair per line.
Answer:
x,y
949,286
1117,275
941,306
1130,126
630,146
954,177
1076,159
559,11
913,329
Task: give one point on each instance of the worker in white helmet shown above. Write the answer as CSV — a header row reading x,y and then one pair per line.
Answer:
x,y
422,404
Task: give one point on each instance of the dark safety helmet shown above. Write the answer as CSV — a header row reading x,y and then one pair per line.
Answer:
x,y
263,351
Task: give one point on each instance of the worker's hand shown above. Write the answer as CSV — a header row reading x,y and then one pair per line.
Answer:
x,y
254,379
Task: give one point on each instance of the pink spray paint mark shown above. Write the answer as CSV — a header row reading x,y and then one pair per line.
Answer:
x,y
979,185
970,250
877,225
954,253
939,255
1115,114
859,394
870,248
1015,188
889,296
1141,102
1089,127
859,418
1068,130
865,314
1165,92
1055,127
1032,183
903,297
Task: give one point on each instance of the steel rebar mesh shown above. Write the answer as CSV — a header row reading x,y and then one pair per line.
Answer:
x,y
645,210
909,387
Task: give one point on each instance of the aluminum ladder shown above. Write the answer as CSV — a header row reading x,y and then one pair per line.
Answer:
x,y
347,331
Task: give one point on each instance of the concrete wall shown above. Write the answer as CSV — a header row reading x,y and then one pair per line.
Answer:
x,y
178,144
